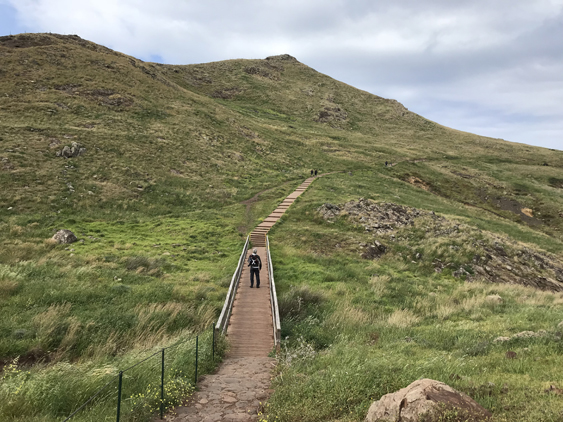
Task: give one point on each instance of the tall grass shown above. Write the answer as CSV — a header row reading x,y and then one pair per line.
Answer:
x,y
54,392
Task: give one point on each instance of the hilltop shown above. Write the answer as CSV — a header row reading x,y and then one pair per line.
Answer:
x,y
384,272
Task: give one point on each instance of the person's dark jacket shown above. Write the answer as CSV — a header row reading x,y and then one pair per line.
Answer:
x,y
256,258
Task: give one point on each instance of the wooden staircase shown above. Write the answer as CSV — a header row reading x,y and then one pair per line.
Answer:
x,y
250,329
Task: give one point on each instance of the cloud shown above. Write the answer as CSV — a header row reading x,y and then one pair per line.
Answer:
x,y
485,60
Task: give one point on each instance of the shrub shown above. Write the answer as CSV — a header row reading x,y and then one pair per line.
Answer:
x,y
295,302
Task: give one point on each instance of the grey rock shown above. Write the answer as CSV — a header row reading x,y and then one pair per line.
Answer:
x,y
64,237
74,150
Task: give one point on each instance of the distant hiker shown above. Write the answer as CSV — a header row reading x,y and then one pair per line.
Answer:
x,y
312,171
385,163
315,172
255,264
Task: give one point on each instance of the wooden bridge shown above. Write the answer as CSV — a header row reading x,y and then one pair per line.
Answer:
x,y
250,317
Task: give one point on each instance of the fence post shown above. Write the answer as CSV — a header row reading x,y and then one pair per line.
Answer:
x,y
213,328
119,396
196,353
162,387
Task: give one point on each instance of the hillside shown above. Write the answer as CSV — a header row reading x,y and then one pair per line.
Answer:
x,y
170,152
150,127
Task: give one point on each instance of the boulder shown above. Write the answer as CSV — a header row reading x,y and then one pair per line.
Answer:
x,y
374,251
66,152
424,398
65,236
74,150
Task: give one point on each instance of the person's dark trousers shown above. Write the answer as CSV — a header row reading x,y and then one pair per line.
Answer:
x,y
255,271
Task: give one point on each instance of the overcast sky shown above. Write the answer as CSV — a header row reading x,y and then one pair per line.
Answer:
x,y
494,68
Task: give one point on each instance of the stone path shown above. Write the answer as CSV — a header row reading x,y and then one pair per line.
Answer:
x,y
235,393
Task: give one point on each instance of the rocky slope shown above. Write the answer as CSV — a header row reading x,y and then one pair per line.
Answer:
x,y
482,255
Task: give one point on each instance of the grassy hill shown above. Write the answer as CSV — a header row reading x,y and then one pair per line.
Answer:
x,y
155,199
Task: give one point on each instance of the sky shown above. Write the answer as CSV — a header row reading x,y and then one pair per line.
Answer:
x,y
494,68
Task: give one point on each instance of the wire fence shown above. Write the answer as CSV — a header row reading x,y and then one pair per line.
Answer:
x,y
153,384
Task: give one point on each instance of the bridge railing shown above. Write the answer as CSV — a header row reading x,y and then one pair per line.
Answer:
x,y
223,321
273,299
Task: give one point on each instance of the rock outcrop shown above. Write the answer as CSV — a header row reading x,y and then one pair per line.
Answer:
x,y
376,217
373,250
74,150
425,399
64,236
331,113
519,266
496,258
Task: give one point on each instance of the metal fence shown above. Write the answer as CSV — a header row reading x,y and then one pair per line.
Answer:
x,y
105,393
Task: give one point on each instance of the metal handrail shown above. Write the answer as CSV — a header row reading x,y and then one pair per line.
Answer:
x,y
274,299
223,321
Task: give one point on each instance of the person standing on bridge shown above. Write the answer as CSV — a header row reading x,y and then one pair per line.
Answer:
x,y
315,172
255,264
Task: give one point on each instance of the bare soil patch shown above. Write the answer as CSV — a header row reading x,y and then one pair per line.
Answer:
x,y
226,93
419,183
556,183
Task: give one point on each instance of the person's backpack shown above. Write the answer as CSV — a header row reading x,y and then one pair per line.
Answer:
x,y
254,261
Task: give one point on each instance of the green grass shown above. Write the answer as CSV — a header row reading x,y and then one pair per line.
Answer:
x,y
56,391
356,329
172,151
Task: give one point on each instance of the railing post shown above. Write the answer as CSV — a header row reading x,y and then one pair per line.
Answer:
x,y
213,346
196,353
119,396
162,387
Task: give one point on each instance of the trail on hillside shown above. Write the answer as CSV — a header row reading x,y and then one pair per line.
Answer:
x,y
248,203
